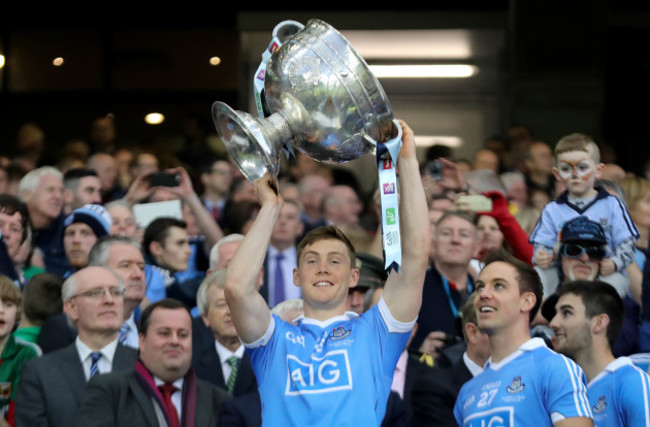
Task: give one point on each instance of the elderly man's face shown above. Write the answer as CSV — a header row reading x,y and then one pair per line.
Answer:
x,y
580,267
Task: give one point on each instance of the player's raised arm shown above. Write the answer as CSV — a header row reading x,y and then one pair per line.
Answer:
x,y
249,311
403,292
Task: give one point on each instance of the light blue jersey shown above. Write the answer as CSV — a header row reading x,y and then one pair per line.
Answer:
x,y
619,395
605,209
534,386
332,373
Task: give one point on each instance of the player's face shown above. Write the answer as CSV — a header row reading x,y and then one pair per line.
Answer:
x,y
499,303
577,171
325,274
166,349
572,328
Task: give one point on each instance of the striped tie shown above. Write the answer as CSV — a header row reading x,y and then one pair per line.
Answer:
x,y
233,361
124,331
94,366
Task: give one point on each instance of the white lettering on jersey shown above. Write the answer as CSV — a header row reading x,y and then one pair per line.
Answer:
x,y
322,375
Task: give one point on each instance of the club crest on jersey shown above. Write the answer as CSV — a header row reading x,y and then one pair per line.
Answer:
x,y
5,390
600,406
515,386
340,333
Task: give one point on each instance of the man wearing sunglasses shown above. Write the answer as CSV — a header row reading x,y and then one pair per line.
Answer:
x,y
581,248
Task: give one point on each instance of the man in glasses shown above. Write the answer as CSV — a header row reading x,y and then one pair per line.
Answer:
x,y
53,386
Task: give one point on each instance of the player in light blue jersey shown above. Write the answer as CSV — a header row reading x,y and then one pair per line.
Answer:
x,y
589,316
333,367
524,382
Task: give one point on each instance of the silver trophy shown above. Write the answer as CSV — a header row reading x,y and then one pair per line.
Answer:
x,y
319,97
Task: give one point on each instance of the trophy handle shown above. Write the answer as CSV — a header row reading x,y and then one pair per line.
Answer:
x,y
252,143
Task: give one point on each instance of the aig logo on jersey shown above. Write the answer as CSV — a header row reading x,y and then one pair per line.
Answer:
x,y
497,417
323,375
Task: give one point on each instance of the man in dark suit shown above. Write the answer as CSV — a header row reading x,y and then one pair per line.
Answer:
x,y
163,389
281,256
223,363
435,392
52,387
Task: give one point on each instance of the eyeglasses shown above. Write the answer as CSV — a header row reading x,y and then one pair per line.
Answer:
x,y
99,293
573,250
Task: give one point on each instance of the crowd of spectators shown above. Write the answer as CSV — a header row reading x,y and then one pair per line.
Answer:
x,y
97,209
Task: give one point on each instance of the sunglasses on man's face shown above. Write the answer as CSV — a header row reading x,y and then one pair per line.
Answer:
x,y
573,250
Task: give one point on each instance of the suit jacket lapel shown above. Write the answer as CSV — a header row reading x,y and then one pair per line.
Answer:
x,y
144,400
124,358
245,376
210,366
72,372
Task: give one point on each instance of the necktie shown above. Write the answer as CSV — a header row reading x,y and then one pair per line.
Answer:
x,y
124,331
278,291
94,358
167,390
233,361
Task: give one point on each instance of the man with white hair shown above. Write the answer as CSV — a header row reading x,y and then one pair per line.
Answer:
x,y
223,363
53,386
42,192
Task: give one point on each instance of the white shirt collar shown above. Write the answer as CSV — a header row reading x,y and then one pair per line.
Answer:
x,y
289,253
225,353
108,351
473,367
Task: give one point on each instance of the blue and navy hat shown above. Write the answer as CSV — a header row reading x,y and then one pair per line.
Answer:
x,y
582,229
94,216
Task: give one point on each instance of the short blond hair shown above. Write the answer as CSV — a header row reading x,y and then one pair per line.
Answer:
x,y
578,142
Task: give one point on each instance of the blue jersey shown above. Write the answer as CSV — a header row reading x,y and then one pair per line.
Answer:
x,y
605,209
619,395
534,386
332,373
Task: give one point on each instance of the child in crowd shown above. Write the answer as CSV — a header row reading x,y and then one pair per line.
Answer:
x,y
578,166
13,352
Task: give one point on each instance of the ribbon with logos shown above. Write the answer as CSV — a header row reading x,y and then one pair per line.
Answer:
x,y
387,153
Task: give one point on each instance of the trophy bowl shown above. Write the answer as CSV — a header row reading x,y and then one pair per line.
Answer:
x,y
321,98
